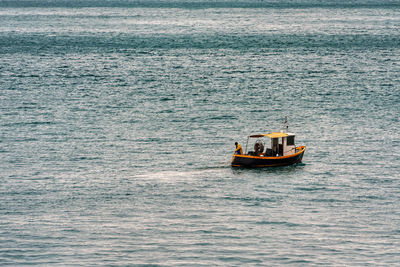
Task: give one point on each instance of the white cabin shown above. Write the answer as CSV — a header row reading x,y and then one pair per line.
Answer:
x,y
282,144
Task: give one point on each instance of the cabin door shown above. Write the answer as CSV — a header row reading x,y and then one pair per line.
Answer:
x,y
275,146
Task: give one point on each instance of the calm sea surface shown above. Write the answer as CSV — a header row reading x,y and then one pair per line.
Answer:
x,y
118,122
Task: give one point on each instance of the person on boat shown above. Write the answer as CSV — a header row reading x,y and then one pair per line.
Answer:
x,y
238,149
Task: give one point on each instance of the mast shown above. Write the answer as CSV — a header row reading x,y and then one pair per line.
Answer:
x,y
286,125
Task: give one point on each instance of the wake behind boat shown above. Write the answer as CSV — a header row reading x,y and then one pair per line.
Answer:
x,y
282,151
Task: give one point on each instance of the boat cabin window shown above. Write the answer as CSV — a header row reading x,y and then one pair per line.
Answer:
x,y
290,140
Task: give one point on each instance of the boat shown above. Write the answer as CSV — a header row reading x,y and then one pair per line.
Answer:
x,y
282,151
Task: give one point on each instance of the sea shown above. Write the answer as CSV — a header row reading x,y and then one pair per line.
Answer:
x,y
118,121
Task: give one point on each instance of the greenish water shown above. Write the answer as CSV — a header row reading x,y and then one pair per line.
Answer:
x,y
118,121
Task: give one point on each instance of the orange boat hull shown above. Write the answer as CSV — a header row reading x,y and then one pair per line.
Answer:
x,y
248,161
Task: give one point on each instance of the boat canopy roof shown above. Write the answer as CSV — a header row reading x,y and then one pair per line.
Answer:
x,y
277,135
271,135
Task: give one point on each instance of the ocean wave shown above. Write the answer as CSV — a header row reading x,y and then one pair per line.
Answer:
x,y
12,43
199,3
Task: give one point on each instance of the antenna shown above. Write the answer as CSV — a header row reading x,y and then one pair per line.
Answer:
x,y
286,124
